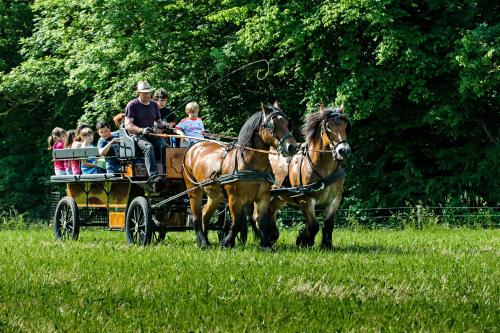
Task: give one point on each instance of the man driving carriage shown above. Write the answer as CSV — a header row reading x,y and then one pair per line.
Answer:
x,y
141,114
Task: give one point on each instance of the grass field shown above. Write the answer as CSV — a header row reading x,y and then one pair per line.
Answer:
x,y
383,280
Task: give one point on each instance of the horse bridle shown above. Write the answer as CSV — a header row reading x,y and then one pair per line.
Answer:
x,y
268,123
336,116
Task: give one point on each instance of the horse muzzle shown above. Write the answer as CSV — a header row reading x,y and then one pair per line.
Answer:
x,y
343,150
288,149
287,146
291,149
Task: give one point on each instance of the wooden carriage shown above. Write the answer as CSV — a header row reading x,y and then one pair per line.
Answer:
x,y
124,201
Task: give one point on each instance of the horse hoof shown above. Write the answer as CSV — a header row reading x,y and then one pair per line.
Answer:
x,y
273,238
227,244
328,246
269,249
202,243
303,242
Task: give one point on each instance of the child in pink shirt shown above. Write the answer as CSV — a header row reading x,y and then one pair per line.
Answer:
x,y
68,142
56,141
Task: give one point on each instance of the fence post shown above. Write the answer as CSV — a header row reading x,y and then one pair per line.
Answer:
x,y
419,216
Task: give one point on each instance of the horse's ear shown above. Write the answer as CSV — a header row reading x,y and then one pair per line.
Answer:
x,y
276,105
341,108
321,106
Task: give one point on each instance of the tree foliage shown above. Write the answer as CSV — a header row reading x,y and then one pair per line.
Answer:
x,y
418,78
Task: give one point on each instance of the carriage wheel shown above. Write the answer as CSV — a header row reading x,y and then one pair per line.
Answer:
x,y
139,224
66,220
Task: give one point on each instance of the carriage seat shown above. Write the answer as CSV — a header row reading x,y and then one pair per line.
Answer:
x,y
80,154
133,156
75,153
127,146
96,177
135,160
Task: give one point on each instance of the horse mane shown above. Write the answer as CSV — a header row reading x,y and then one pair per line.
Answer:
x,y
248,129
312,124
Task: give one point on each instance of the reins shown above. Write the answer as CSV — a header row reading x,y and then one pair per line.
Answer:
x,y
222,143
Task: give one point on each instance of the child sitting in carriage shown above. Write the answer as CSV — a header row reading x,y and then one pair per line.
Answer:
x,y
68,142
89,166
191,126
56,141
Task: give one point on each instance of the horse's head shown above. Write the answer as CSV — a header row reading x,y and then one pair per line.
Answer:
x,y
334,130
276,130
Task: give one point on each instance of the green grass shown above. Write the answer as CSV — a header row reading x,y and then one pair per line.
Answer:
x,y
383,280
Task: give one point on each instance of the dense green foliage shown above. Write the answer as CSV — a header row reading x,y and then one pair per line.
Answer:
x,y
419,79
433,280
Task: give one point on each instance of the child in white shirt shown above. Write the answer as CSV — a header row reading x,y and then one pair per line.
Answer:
x,y
192,125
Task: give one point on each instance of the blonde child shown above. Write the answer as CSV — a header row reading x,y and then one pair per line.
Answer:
x,y
89,166
56,141
192,125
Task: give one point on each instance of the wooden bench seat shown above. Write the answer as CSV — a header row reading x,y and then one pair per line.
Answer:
x,y
96,177
75,153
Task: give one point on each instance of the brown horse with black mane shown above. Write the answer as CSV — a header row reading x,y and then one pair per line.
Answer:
x,y
241,174
314,177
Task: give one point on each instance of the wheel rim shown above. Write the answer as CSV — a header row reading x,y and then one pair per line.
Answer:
x,y
66,225
137,225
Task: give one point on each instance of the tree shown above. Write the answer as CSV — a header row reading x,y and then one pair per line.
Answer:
x,y
419,79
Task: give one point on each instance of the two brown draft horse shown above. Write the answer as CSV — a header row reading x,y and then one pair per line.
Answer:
x,y
241,174
314,177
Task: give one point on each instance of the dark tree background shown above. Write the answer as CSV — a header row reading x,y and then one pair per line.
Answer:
x,y
419,79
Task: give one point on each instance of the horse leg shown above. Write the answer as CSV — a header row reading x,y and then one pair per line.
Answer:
x,y
247,212
261,216
307,235
326,240
275,205
235,207
253,223
208,211
195,201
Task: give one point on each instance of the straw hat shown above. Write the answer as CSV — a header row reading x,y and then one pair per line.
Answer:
x,y
143,87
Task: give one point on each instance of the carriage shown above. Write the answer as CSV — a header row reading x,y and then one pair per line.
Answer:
x,y
204,179
124,201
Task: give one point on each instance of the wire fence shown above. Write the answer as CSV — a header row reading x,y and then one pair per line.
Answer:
x,y
384,217
400,217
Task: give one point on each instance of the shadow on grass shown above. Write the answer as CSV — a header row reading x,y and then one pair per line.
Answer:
x,y
344,249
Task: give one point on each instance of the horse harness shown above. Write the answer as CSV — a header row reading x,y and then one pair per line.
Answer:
x,y
336,115
246,175
319,185
323,182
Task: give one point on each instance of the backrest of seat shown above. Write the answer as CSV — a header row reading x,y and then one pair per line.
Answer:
x,y
127,145
75,153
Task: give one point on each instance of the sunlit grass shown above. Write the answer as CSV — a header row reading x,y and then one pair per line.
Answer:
x,y
429,280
